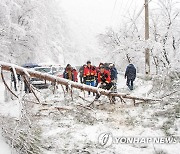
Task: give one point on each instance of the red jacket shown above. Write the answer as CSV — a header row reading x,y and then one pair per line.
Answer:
x,y
90,73
75,73
104,77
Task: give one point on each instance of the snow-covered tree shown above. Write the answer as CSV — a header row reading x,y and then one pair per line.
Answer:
x,y
127,45
32,31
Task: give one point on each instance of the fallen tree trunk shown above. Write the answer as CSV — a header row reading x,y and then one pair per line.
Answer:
x,y
44,76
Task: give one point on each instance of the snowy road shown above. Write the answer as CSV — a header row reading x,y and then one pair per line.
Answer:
x,y
4,147
141,87
11,107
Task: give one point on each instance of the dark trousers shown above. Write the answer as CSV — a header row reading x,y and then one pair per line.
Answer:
x,y
81,79
129,83
26,88
114,82
15,85
13,79
106,87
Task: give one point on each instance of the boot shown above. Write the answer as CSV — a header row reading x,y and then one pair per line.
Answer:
x,y
97,97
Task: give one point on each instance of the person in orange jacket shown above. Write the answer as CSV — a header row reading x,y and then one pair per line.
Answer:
x,y
90,75
104,80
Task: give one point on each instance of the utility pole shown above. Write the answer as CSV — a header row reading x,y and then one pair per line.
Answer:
x,y
147,54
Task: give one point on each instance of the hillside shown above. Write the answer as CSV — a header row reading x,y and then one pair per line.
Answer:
x,y
33,31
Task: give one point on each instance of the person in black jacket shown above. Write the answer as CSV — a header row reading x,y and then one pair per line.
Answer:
x,y
68,74
130,74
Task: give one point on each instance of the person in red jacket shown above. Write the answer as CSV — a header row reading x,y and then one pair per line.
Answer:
x,y
98,70
75,73
90,75
104,80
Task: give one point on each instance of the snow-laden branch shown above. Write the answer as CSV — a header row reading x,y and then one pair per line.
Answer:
x,y
62,81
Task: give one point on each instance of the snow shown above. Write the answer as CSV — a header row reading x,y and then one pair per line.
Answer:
x,y
79,128
5,149
66,31
6,109
10,109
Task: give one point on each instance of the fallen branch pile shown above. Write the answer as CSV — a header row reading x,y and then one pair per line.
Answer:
x,y
57,80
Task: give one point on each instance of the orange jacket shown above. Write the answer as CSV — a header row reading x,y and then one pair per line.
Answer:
x,y
89,71
104,77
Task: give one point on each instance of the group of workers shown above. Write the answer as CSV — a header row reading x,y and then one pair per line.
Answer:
x,y
104,76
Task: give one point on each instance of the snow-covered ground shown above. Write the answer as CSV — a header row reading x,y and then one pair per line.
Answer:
x,y
69,126
69,31
4,109
5,149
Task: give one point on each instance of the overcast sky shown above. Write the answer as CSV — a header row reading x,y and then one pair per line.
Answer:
x,y
88,18
100,13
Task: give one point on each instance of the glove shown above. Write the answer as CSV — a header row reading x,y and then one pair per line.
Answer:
x,y
104,84
103,79
106,75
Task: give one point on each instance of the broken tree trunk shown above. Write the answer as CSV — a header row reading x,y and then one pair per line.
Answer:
x,y
62,81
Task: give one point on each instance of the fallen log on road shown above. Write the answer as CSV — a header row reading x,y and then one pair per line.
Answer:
x,y
57,80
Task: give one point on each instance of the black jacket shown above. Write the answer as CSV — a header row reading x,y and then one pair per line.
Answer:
x,y
114,73
68,74
130,72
